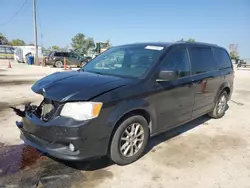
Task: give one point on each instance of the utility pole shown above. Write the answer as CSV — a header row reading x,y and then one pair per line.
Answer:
x,y
35,31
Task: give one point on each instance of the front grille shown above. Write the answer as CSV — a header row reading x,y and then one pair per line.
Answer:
x,y
49,109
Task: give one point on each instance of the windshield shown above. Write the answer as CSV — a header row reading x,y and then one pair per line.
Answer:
x,y
129,61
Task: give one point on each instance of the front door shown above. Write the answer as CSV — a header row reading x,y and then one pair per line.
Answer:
x,y
174,99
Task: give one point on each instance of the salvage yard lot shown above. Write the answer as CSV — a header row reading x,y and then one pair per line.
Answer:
x,y
203,153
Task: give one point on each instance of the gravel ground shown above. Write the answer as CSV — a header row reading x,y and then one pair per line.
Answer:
x,y
204,153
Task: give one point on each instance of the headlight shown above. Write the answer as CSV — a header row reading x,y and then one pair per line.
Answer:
x,y
81,110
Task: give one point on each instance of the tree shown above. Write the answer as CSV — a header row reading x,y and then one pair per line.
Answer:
x,y
17,42
3,39
55,48
191,40
108,43
78,42
233,51
82,45
89,43
181,40
65,49
234,55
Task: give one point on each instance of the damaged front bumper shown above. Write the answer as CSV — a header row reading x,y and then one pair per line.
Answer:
x,y
62,137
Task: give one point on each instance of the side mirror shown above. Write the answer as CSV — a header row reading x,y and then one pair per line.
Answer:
x,y
167,75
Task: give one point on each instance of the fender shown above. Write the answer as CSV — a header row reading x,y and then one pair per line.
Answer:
x,y
126,107
223,86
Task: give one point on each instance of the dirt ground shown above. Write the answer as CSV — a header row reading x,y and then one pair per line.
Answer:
x,y
204,153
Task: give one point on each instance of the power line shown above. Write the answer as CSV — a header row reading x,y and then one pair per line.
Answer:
x,y
15,14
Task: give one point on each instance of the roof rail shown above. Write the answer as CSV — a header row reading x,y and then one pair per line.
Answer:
x,y
202,43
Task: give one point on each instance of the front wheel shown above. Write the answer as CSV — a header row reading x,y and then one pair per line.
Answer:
x,y
129,140
220,106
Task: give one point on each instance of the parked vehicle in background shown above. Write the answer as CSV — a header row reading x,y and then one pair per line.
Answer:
x,y
57,59
88,58
46,54
6,52
243,63
126,95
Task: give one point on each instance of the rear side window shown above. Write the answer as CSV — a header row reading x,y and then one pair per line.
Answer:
x,y
59,54
66,54
222,58
202,60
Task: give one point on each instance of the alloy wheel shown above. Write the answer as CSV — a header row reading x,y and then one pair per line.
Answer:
x,y
131,140
59,64
221,104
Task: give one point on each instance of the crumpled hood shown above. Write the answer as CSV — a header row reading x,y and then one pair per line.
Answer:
x,y
76,85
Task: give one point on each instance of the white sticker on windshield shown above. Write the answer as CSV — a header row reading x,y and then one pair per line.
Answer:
x,y
154,47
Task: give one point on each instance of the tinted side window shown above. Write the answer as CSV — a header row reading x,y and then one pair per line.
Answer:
x,y
56,54
66,55
202,60
222,58
59,54
177,60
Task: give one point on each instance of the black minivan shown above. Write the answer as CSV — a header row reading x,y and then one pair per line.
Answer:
x,y
124,96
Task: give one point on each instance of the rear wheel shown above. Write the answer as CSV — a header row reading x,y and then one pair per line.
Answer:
x,y
129,140
220,106
59,64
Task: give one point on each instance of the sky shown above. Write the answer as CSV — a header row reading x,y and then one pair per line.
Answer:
x,y
221,22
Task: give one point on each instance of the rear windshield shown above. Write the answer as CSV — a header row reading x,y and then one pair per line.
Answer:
x,y
129,61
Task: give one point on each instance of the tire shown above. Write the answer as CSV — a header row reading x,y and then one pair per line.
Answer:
x,y
116,153
217,112
59,64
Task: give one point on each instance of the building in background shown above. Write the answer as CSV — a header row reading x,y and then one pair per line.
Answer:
x,y
21,52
